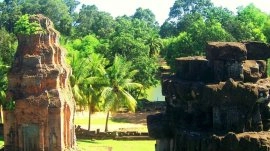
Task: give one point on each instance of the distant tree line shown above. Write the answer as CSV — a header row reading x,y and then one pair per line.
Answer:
x,y
192,23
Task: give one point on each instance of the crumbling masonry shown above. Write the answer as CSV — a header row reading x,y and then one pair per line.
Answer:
x,y
216,103
43,117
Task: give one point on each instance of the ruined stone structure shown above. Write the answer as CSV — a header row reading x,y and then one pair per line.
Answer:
x,y
43,116
217,102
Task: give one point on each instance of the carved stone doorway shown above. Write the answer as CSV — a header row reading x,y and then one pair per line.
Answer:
x,y
30,133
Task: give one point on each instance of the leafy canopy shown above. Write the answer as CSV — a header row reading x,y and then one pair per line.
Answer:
x,y
25,27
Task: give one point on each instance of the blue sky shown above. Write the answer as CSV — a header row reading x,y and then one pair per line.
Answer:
x,y
161,8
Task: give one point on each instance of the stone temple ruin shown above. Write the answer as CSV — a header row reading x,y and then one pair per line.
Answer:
x,y
43,116
219,102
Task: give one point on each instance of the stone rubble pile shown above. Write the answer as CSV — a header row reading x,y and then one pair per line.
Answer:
x,y
223,95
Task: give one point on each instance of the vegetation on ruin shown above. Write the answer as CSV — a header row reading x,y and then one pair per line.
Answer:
x,y
93,39
25,27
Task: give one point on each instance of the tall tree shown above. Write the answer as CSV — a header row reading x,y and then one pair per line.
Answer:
x,y
250,22
56,10
91,85
72,5
183,13
131,41
146,15
266,30
10,12
93,21
3,87
8,45
119,82
85,83
155,44
168,29
181,8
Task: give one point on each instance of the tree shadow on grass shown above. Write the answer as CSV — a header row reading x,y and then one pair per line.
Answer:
x,y
88,141
134,118
120,120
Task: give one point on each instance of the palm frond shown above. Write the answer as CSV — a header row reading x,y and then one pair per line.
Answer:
x,y
132,86
128,100
77,93
96,81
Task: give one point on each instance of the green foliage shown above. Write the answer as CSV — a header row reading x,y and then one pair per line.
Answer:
x,y
148,71
177,47
266,30
194,26
249,24
136,41
145,15
7,104
84,46
181,8
25,27
72,4
8,45
10,12
118,82
56,10
92,21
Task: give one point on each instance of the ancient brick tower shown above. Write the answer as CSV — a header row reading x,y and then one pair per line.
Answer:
x,y
38,84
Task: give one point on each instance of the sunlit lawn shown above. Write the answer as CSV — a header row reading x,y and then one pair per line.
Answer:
x,y
84,121
98,121
116,145
100,145
1,141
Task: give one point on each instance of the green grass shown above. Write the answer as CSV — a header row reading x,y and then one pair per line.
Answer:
x,y
1,141
85,145
100,145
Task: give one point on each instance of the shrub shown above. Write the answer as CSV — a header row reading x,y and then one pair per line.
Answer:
x,y
23,26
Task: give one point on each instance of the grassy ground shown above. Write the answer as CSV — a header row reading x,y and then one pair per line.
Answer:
x,y
103,145
1,141
117,121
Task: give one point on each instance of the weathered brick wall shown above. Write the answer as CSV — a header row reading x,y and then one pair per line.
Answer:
x,y
38,83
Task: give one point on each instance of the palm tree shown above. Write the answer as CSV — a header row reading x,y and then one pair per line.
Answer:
x,y
118,81
85,91
78,74
154,43
92,84
3,87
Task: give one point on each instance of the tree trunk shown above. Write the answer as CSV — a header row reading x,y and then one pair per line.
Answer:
x,y
89,116
106,124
